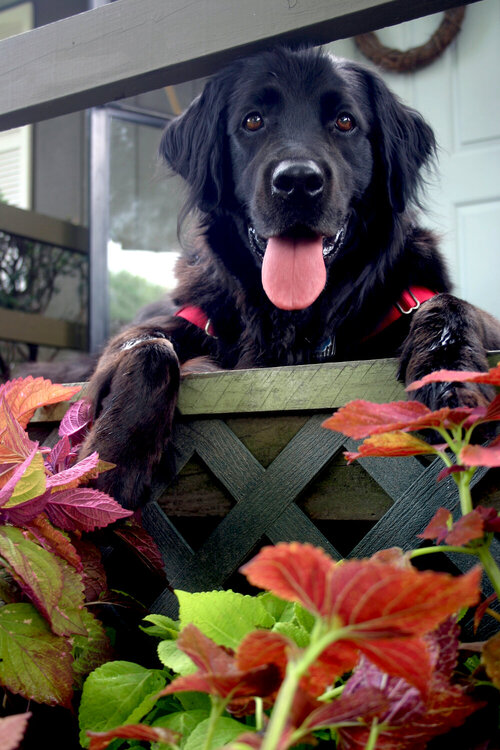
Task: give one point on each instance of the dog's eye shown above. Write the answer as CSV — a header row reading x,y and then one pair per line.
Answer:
x,y
253,122
345,122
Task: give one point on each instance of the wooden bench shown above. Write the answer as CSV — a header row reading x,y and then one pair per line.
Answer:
x,y
255,466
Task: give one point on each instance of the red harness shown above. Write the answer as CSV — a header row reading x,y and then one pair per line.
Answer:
x,y
410,300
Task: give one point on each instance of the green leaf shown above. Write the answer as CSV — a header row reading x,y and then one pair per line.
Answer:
x,y
225,731
295,632
54,587
183,722
175,659
91,650
33,661
223,616
195,701
163,627
31,484
118,692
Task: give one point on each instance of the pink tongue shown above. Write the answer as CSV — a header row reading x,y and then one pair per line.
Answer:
x,y
293,271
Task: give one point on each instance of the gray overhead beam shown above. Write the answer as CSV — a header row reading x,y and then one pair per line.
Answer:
x,y
132,46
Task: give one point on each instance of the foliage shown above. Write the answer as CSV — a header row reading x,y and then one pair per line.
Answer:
x,y
31,273
358,654
128,293
49,639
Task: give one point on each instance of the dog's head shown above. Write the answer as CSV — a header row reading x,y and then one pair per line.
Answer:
x,y
294,142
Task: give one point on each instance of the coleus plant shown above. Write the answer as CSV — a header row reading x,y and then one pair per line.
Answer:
x,y
364,654
49,571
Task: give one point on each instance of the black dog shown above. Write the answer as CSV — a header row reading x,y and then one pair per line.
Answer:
x,y
304,172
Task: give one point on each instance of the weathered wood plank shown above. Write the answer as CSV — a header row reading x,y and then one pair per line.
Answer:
x,y
129,47
45,229
323,386
32,328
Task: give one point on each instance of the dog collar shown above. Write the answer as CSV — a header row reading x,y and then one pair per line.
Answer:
x,y
197,317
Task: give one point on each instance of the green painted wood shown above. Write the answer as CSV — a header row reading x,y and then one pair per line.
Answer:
x,y
323,386
248,521
126,48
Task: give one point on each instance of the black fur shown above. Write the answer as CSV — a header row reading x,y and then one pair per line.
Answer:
x,y
361,185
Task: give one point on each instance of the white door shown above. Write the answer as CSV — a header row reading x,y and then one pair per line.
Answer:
x,y
459,95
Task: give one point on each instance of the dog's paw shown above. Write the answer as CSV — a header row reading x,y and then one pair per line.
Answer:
x,y
453,395
134,392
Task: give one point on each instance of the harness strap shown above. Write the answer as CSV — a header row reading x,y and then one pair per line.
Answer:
x,y
197,317
410,300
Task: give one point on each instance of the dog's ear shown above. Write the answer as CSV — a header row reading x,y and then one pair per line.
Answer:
x,y
194,145
402,142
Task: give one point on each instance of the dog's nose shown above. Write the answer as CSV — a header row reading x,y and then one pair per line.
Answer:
x,y
297,178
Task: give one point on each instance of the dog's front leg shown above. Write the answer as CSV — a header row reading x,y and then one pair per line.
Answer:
x,y
133,392
449,333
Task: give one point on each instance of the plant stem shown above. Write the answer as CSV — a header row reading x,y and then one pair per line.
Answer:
x,y
463,483
373,737
442,548
218,706
281,710
490,566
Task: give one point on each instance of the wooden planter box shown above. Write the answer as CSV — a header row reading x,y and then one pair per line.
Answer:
x,y
254,466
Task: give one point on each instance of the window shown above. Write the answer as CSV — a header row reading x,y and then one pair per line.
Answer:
x,y
15,145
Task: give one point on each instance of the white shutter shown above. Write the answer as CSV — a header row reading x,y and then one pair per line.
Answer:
x,y
15,145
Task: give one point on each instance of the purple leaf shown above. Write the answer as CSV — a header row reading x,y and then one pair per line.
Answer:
x,y
76,421
84,509
84,469
56,460
24,513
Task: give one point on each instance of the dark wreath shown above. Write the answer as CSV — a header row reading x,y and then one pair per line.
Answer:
x,y
406,61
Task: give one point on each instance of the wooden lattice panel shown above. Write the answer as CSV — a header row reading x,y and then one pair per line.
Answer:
x,y
251,454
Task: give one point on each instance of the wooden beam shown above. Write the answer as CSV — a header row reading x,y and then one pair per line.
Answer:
x,y
45,229
35,329
131,46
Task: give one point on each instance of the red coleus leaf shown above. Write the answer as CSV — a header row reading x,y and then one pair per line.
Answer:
x,y
382,608
448,470
54,541
482,608
26,395
101,740
83,509
490,517
492,377
477,455
141,543
218,673
359,419
470,526
491,659
439,526
393,600
15,443
410,721
392,444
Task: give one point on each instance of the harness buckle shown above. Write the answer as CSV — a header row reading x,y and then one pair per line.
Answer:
x,y
410,309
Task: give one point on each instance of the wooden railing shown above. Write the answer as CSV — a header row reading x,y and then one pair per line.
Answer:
x,y
132,46
31,328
